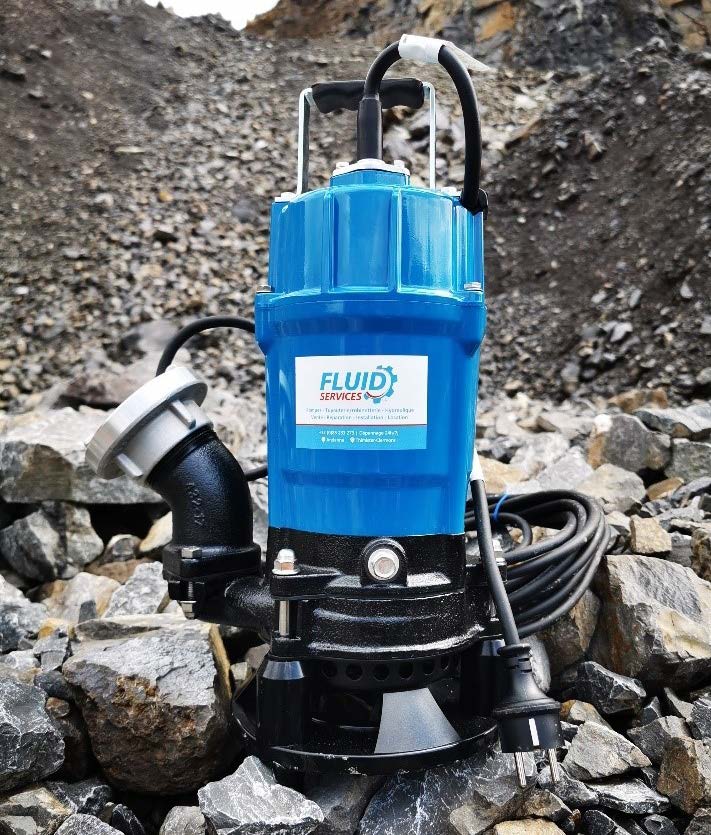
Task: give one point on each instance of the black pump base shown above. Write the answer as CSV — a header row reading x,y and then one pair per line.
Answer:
x,y
337,747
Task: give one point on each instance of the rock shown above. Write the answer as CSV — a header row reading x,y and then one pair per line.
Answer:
x,y
539,452
342,799
578,713
656,621
690,460
614,486
86,825
633,797
624,441
701,718
31,747
42,459
34,811
125,626
126,821
653,737
610,692
598,752
568,639
660,825
571,426
120,548
497,475
86,797
19,618
651,711
54,684
701,552
158,536
57,541
183,820
598,823
123,571
663,489
541,803
145,593
81,598
52,651
477,792
676,706
251,800
567,472
527,826
155,704
692,422
700,824
685,776
649,538
573,793
20,665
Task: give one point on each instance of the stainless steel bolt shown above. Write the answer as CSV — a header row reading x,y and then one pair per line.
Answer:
x,y
285,562
383,564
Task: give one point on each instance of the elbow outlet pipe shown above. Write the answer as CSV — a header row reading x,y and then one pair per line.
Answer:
x,y
161,437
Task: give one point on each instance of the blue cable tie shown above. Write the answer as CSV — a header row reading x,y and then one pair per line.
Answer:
x,y
495,514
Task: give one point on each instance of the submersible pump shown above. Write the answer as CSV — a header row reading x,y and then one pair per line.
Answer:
x,y
395,635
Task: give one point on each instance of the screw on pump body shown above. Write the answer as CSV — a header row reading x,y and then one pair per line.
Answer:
x,y
285,565
188,605
383,564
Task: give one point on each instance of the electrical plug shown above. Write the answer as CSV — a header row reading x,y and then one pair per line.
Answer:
x,y
528,719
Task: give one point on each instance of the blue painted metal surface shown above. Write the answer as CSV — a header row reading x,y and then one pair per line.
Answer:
x,y
371,343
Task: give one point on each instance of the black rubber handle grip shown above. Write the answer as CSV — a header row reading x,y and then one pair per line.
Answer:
x,y
346,95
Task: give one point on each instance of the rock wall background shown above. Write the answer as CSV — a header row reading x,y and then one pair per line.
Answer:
x,y
138,156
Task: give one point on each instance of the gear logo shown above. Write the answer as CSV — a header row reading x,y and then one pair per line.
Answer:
x,y
387,389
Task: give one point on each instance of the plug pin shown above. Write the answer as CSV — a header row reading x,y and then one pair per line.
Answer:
x,y
520,769
553,762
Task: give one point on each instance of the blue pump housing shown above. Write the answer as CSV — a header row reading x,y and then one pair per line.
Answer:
x,y
371,334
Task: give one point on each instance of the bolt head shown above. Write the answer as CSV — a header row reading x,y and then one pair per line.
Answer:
x,y
383,564
285,562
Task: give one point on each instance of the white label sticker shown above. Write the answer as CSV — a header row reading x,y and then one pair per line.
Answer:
x,y
361,402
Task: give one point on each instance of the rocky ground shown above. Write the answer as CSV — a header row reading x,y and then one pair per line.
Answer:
x,y
114,708
138,156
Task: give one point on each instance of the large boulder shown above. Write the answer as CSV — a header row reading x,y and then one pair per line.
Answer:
x,y
42,459
19,618
656,621
31,747
155,702
252,801
55,541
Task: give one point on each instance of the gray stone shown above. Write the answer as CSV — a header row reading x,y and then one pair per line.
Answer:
x,y
251,802
685,775
692,422
465,797
85,797
183,820
145,593
155,704
31,747
570,470
578,713
660,825
126,820
700,824
651,711
84,597
52,651
676,706
682,550
20,664
624,441
86,825
55,541
541,803
633,797
690,459
34,811
120,548
615,487
54,684
598,752
571,426
572,792
19,618
42,459
648,537
701,718
539,452
652,738
611,693
656,621
126,626
598,823
342,799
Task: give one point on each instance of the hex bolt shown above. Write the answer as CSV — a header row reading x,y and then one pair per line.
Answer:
x,y
285,562
383,564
